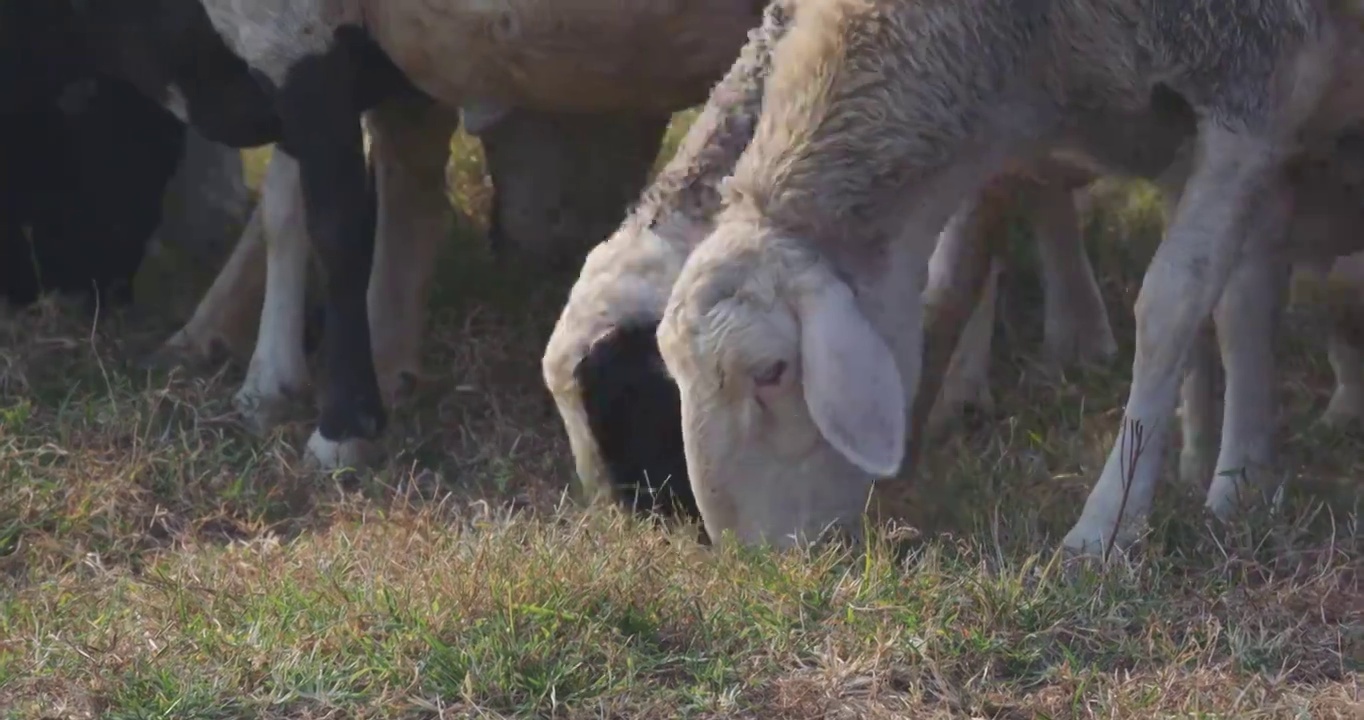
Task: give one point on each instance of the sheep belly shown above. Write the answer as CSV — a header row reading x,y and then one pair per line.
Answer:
x,y
565,55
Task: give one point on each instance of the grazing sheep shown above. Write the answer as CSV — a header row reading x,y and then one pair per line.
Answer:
x,y
601,364
84,175
93,56
88,150
325,63
794,330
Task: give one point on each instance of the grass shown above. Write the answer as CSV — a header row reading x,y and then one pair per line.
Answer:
x,y
156,561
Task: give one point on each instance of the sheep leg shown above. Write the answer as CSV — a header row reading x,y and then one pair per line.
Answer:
x,y
1223,202
410,147
322,130
1247,317
966,382
278,374
1201,410
1346,354
224,320
1076,327
958,275
1345,348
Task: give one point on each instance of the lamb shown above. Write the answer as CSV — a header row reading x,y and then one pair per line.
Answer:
x,y
601,363
794,329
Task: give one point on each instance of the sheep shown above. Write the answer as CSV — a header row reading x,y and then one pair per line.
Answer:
x,y
325,63
90,144
794,329
71,191
99,52
601,364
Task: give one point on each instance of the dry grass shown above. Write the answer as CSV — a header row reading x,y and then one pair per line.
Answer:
x,y
157,561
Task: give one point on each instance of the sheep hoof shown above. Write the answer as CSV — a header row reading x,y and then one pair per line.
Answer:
x,y
1232,494
329,455
183,351
1196,467
1346,408
1079,345
399,388
1093,539
262,412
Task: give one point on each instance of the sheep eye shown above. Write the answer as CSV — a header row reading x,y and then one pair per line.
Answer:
x,y
770,375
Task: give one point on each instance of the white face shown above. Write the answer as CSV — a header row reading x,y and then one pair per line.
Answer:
x,y
792,403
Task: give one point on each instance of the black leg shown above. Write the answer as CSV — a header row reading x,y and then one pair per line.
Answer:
x,y
321,118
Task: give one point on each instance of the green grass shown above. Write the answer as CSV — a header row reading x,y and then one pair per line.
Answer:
x,y
157,561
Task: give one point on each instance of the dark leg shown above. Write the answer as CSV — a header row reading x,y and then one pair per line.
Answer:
x,y
959,271
321,116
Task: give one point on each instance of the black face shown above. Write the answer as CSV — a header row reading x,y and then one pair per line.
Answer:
x,y
87,157
84,179
160,46
634,411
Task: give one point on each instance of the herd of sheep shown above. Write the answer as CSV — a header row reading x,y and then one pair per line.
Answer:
x,y
749,345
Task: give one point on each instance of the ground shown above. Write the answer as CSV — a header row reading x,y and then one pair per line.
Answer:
x,y
158,561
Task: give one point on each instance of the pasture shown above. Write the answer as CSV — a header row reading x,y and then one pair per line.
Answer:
x,y
157,561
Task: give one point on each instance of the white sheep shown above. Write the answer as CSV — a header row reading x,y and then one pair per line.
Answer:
x,y
601,363
794,330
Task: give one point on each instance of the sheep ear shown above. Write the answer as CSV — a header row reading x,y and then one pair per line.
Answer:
x,y
852,385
